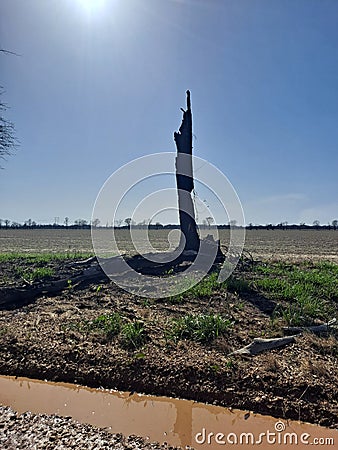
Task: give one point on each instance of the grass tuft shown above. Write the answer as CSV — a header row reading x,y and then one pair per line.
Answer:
x,y
197,327
38,273
237,285
109,324
133,334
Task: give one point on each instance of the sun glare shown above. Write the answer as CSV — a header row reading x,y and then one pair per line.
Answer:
x,y
91,6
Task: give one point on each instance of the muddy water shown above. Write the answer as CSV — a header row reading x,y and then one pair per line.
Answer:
x,y
178,422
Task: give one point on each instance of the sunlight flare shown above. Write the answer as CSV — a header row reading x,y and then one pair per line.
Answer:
x,y
91,6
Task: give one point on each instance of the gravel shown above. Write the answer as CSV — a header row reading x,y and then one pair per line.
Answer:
x,y
29,431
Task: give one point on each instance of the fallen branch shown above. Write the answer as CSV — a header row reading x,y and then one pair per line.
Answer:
x,y
84,261
317,329
23,296
259,345
98,270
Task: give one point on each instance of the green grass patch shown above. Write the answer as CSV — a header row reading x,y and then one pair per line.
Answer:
x,y
310,290
133,334
238,285
34,266
109,324
38,258
303,312
207,287
203,289
197,327
38,273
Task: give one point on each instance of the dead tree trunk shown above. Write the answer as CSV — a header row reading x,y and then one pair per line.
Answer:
x,y
185,181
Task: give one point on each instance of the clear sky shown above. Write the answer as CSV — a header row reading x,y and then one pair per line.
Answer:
x,y
101,82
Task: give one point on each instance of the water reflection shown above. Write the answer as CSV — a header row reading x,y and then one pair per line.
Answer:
x,y
155,418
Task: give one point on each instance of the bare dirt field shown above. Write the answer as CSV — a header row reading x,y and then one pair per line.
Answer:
x,y
263,244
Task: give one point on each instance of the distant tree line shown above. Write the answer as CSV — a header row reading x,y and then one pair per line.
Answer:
x,y
302,226
128,223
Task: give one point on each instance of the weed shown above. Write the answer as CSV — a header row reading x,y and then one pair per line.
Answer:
x,y
302,312
109,324
230,364
240,306
133,334
146,303
39,273
203,289
215,368
3,330
237,285
206,287
176,299
199,327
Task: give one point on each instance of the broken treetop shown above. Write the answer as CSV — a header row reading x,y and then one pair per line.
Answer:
x,y
183,138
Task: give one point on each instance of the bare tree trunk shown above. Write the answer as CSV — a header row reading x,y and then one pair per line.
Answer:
x,y
185,181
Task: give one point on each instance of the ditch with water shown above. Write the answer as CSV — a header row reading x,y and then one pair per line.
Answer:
x,y
163,419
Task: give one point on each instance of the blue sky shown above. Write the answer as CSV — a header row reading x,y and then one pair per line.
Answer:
x,y
101,82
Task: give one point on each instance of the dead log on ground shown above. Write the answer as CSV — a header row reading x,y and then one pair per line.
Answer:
x,y
14,297
317,329
259,345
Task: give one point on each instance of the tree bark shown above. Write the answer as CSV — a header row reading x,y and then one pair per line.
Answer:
x,y
185,181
